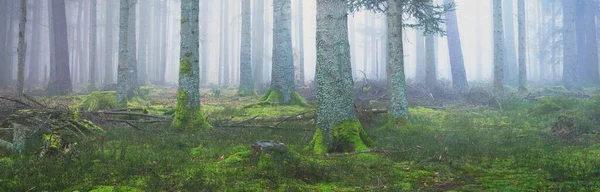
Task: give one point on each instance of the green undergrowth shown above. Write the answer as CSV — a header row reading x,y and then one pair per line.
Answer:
x,y
543,144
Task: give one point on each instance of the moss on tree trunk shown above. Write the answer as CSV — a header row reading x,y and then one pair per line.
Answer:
x,y
274,96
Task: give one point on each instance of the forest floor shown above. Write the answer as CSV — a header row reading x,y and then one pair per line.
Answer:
x,y
545,140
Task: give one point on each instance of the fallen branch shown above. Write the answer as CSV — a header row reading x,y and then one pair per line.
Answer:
x,y
16,101
130,114
257,127
300,115
374,150
34,101
6,144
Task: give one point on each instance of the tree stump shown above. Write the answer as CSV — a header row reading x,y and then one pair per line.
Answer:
x,y
261,146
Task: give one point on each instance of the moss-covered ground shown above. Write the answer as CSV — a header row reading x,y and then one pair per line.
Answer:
x,y
543,144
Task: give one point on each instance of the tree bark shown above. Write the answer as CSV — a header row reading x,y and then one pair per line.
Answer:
x,y
258,40
188,114
109,53
246,86
123,80
498,47
21,50
395,70
430,62
33,78
93,45
301,40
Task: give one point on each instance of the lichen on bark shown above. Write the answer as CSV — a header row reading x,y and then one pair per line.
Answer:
x,y
187,117
395,69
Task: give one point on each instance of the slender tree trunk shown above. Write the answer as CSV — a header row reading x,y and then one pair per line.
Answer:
x,y
420,54
132,47
206,8
258,40
580,27
366,40
498,47
395,68
163,43
109,53
592,45
143,42
188,114
123,73
33,78
4,30
301,40
335,99
457,63
522,47
430,63
246,86
21,50
569,46
93,45
60,83
510,70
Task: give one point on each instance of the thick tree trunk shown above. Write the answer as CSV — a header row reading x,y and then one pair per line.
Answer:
x,y
395,70
21,50
352,40
258,40
569,46
498,47
337,126
457,63
282,73
60,83
522,47
188,114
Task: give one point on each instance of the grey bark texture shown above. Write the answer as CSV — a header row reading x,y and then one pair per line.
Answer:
x,y
93,45
132,47
258,41
395,67
335,99
246,86
282,74
457,63
498,46
123,67
109,44
301,40
60,83
21,50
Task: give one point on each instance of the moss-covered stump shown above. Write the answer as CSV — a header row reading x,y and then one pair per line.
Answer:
x,y
274,96
99,100
274,159
188,117
348,136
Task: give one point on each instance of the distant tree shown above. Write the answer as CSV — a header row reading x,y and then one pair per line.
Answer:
x,y
246,86
510,69
258,41
569,46
522,46
188,114
430,62
35,66
205,28
420,54
60,77
224,45
457,63
143,48
338,128
592,74
581,56
283,87
498,46
93,46
301,40
21,50
109,44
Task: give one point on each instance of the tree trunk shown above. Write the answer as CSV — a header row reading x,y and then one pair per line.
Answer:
x,y
498,47
123,73
430,64
109,53
60,83
398,111
163,43
580,27
21,50
205,7
337,126
420,54
522,47
188,114
510,70
282,72
592,45
93,46
457,63
352,40
258,40
33,78
6,76
246,86
143,42
569,46
301,40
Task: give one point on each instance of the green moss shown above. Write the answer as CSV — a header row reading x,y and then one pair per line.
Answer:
x,y
99,100
54,140
349,136
244,93
393,123
274,96
116,189
316,145
187,118
185,66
